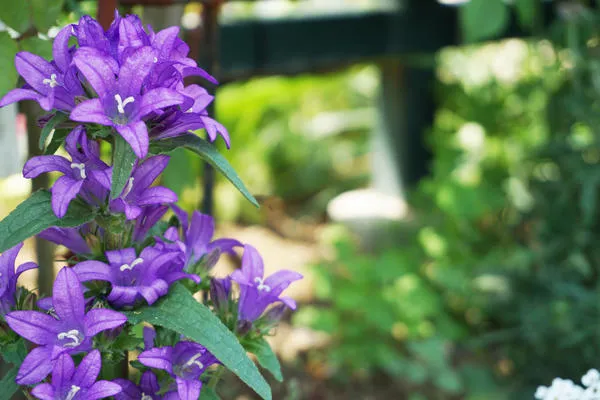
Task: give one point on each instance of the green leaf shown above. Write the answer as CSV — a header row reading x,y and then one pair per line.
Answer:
x,y
208,153
208,394
8,384
50,125
34,215
180,173
266,357
123,160
14,353
8,49
57,138
180,312
483,19
45,13
36,45
16,15
526,12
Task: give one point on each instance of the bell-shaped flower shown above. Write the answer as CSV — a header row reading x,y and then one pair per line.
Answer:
x,y
85,174
185,362
8,277
148,218
77,383
120,103
181,123
138,192
132,277
70,331
51,84
148,389
257,292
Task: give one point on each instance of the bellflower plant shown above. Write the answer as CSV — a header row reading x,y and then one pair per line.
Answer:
x,y
117,102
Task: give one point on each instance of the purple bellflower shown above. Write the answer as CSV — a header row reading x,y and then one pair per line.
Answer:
x,y
71,332
256,292
148,218
148,389
138,193
185,362
121,103
85,174
195,241
52,84
71,238
76,383
133,278
8,277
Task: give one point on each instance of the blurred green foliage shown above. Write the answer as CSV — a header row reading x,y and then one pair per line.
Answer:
x,y
304,139
504,269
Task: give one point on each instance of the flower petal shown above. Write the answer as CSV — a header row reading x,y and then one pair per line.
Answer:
x,y
280,280
201,230
67,296
34,326
101,390
149,383
45,391
97,68
188,390
158,357
99,320
225,245
41,164
34,69
68,237
19,94
157,99
122,256
123,296
36,366
88,370
149,170
288,301
63,370
65,189
92,270
129,391
91,111
60,48
252,264
152,293
134,70
157,195
136,134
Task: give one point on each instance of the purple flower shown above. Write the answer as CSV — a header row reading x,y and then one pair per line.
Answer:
x,y
70,383
256,292
69,237
71,332
146,220
196,238
138,193
121,103
51,84
8,277
180,123
186,361
85,174
133,278
220,291
147,389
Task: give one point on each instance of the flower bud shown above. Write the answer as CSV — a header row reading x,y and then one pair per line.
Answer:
x,y
220,290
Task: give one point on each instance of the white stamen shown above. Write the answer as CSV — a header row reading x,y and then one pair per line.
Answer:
x,y
145,397
72,392
81,168
74,335
122,103
194,361
126,267
261,285
51,82
128,187
155,60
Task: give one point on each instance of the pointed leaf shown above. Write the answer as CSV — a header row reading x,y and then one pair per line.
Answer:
x,y
265,356
483,19
180,312
209,394
208,153
8,384
123,160
35,45
34,215
45,13
50,125
56,140
8,49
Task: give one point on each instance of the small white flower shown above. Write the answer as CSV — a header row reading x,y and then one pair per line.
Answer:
x,y
591,378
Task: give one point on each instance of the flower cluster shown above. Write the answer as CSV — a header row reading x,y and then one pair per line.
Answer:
x,y
125,84
566,389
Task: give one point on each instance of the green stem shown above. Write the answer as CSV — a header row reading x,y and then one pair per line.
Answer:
x,y
214,380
